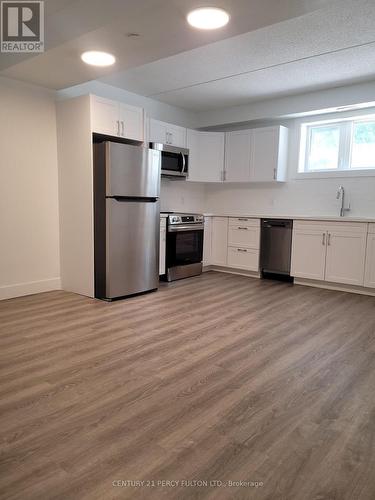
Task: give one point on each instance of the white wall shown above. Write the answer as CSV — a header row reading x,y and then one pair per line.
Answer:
x,y
29,225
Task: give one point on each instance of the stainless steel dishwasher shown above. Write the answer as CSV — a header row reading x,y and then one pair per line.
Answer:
x,y
276,248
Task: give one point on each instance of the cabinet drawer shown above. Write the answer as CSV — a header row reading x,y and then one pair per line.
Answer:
x,y
244,221
243,258
244,236
371,228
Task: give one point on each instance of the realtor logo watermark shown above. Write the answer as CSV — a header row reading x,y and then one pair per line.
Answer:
x,y
22,26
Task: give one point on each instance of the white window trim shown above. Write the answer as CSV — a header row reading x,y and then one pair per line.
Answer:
x,y
345,152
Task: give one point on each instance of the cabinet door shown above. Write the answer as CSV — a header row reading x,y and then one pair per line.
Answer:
x,y
157,131
207,241
167,133
237,156
370,261
219,244
176,135
308,253
206,156
105,116
162,249
269,154
131,121
346,256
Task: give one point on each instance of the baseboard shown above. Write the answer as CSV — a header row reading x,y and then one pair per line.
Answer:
x,y
29,288
231,270
335,286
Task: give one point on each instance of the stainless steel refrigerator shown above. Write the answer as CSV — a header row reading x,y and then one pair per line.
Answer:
x,y
127,219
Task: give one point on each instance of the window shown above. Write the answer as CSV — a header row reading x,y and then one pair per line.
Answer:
x,y
332,146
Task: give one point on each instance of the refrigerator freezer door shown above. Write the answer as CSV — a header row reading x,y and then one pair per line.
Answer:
x,y
132,247
132,171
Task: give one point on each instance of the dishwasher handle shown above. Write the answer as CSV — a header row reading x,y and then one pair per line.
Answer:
x,y
277,223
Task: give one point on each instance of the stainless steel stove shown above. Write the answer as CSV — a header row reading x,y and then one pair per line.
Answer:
x,y
184,249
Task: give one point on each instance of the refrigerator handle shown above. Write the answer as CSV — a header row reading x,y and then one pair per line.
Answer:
x,y
144,199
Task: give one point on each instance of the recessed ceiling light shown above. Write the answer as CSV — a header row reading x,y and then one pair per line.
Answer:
x,y
208,18
97,58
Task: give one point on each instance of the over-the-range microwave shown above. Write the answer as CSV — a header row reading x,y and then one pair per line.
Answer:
x,y
174,160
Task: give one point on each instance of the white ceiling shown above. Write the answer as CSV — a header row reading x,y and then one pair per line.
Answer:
x,y
269,48
329,47
73,26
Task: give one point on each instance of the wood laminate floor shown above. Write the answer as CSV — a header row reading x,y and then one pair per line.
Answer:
x,y
215,378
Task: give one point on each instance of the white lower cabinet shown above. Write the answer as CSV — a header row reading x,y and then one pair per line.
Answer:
x,y
308,251
207,241
163,243
370,258
219,243
346,251
244,232
333,252
244,243
243,258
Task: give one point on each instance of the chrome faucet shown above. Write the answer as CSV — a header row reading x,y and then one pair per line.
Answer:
x,y
341,195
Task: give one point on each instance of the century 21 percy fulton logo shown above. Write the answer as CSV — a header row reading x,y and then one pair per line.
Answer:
x,y
22,26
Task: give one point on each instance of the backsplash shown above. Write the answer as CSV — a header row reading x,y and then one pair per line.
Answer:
x,y
181,196
295,197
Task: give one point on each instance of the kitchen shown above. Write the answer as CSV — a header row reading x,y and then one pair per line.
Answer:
x,y
237,186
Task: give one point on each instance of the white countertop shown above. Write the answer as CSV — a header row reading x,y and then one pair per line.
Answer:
x,y
332,218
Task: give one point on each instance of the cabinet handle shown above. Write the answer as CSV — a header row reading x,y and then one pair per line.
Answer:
x,y
329,239
118,127
123,128
274,173
244,228
242,218
324,239
225,174
241,250
171,138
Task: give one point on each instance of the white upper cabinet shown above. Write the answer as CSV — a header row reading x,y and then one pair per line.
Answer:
x,y
206,156
333,252
238,156
132,122
370,258
256,155
166,133
269,147
105,116
117,119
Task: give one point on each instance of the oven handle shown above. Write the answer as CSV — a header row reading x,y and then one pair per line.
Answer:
x,y
191,227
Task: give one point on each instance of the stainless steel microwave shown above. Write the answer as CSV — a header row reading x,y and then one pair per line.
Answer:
x,y
174,160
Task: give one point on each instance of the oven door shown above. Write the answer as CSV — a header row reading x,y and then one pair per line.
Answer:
x,y
184,246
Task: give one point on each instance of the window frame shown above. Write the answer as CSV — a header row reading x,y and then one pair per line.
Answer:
x,y
346,127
